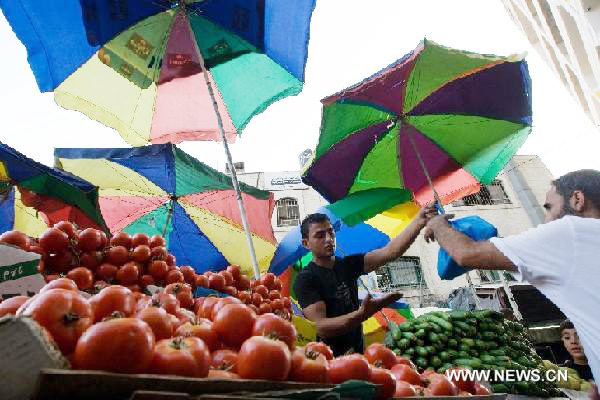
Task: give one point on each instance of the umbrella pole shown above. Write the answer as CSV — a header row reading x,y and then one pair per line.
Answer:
x,y
441,207
234,179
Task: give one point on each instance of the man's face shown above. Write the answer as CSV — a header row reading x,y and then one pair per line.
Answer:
x,y
554,205
571,343
321,239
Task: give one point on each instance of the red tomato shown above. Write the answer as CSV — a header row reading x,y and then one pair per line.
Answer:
x,y
181,356
198,304
11,305
439,385
257,299
244,297
103,239
222,302
379,355
202,329
146,280
15,238
308,366
207,306
287,303
65,315
91,259
404,389
189,274
158,320
122,345
235,271
320,347
67,227
228,277
98,286
174,276
89,240
111,299
159,253
263,358
121,239
262,290
157,241
481,390
273,326
83,277
60,283
183,293
54,241
268,280
202,281
233,324
264,308
386,382
117,255
61,262
216,282
158,269
277,285
243,283
405,373
129,273
184,315
224,359
230,290
354,366
107,272
139,239
166,301
425,375
462,384
277,304
254,308
222,374
170,260
141,253
274,295
405,361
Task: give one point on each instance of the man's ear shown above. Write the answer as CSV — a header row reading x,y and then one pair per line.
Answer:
x,y
577,201
305,243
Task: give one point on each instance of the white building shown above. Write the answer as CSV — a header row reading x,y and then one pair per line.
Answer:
x,y
523,182
565,34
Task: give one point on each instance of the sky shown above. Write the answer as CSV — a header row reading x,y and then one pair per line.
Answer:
x,y
350,40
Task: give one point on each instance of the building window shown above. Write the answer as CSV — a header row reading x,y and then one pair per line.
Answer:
x,y
488,195
288,213
403,272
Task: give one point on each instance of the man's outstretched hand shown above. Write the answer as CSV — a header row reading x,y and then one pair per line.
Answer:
x,y
370,305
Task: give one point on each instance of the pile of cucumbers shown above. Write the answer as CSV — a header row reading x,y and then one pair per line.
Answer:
x,y
479,340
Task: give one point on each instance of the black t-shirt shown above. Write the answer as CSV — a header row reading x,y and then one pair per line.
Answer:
x,y
584,371
338,288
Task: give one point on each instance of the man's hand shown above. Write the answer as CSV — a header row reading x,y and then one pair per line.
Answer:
x,y
433,223
425,214
370,305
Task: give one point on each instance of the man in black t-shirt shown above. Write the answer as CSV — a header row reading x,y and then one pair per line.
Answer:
x,y
327,288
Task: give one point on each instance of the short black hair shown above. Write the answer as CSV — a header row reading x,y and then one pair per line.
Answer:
x,y
315,218
566,324
585,180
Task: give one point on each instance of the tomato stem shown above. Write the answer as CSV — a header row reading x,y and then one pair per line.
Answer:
x,y
70,318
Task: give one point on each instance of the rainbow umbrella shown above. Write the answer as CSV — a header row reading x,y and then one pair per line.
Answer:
x,y
152,68
34,196
432,113
159,189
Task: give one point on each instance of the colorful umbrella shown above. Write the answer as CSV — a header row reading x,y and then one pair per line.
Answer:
x,y
159,189
28,189
425,117
361,238
137,65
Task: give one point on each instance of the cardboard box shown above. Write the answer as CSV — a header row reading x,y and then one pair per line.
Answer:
x,y
26,349
18,272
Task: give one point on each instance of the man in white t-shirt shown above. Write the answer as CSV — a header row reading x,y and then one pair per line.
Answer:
x,y
561,258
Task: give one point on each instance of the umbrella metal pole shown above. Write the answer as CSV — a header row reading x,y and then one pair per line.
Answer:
x,y
234,179
511,299
441,207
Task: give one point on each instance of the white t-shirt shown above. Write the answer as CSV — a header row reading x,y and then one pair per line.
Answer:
x,y
562,260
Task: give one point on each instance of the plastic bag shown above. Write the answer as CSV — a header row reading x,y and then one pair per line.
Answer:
x,y
474,227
